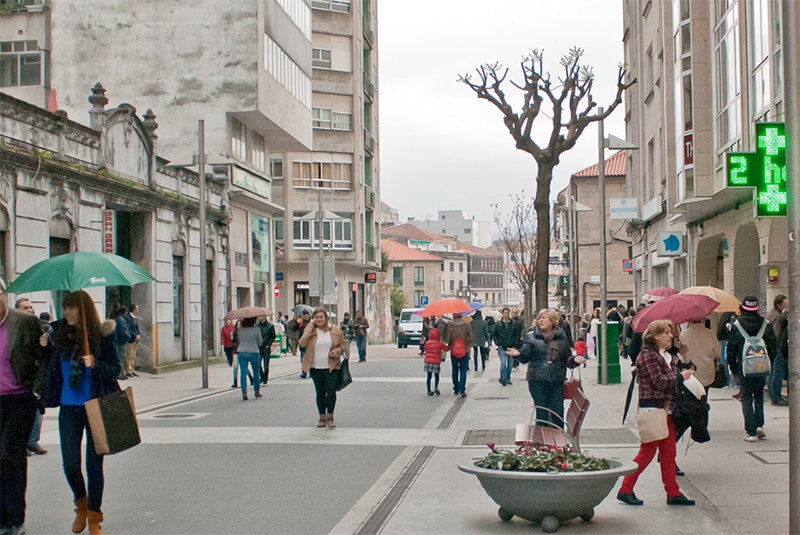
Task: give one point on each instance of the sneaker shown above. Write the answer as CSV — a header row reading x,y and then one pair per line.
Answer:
x,y
437,392
760,434
629,498
430,393
463,394
38,450
780,403
750,438
303,375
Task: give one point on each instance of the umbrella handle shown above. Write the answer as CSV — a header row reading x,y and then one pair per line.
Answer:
x,y
83,329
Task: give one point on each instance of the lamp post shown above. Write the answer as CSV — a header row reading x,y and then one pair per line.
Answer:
x,y
603,143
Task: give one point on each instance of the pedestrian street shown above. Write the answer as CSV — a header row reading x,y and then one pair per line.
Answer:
x,y
211,463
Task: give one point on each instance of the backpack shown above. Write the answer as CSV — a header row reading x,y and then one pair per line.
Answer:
x,y
458,350
755,360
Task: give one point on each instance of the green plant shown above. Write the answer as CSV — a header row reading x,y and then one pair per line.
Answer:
x,y
397,299
541,459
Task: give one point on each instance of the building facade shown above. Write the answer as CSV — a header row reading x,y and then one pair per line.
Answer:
x,y
708,72
416,273
67,187
457,224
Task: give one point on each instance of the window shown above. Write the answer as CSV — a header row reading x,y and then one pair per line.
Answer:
x,y
342,121
321,118
418,297
339,6
286,72
397,275
336,233
727,61
299,13
452,265
277,225
238,140
327,119
20,63
328,175
461,267
419,275
452,286
320,58
257,151
276,168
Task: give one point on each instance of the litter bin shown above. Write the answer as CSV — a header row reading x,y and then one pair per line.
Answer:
x,y
614,373
279,348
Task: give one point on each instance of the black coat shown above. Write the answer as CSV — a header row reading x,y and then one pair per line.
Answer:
x,y
691,412
540,368
267,337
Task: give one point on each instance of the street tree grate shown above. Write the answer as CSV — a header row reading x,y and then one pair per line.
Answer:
x,y
771,456
505,437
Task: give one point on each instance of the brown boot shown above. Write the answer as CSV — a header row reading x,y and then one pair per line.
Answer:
x,y
323,419
331,423
80,515
95,517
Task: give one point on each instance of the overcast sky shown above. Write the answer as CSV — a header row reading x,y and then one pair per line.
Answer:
x,y
440,147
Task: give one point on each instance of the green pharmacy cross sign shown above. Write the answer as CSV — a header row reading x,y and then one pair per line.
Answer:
x,y
764,170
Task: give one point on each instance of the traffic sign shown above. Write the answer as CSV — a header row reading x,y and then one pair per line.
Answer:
x,y
423,300
765,170
627,265
277,290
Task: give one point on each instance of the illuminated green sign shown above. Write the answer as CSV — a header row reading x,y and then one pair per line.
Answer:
x,y
764,170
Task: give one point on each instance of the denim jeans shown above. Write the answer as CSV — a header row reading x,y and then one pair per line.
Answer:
x,y
506,363
265,358
724,361
347,343
252,360
72,425
753,403
236,371
460,369
777,374
361,344
36,431
325,382
549,395
16,419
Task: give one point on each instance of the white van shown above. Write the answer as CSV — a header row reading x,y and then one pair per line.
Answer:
x,y
409,328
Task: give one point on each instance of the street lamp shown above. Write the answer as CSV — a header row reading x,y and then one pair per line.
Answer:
x,y
611,142
573,207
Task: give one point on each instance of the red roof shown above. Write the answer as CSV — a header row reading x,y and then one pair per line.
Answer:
x,y
400,253
615,166
412,232
476,251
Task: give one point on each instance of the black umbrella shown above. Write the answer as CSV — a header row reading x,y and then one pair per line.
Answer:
x,y
629,396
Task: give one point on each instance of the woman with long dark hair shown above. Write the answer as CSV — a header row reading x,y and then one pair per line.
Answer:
x,y
324,343
84,365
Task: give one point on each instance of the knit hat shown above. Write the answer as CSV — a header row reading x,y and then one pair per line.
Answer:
x,y
750,303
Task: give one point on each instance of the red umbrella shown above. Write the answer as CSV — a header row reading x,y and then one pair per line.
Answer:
x,y
679,308
446,306
656,294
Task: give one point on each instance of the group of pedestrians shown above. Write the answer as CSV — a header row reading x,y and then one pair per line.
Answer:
x,y
74,361
247,345
127,336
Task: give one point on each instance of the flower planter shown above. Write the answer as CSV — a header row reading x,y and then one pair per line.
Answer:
x,y
548,498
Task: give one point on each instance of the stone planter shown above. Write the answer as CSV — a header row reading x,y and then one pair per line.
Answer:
x,y
548,498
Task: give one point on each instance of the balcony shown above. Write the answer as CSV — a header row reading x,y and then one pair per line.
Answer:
x,y
368,87
369,142
369,35
369,197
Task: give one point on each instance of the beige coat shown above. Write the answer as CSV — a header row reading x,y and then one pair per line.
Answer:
x,y
702,350
309,341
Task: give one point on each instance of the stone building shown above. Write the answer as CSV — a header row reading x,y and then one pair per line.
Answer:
x,y
708,72
416,273
60,181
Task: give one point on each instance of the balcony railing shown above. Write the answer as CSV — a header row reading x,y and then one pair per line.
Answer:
x,y
369,197
368,87
369,142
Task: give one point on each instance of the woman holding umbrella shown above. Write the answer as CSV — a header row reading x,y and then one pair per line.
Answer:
x,y
84,365
249,354
324,344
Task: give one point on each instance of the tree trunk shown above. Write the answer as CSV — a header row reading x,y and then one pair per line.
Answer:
x,y
542,205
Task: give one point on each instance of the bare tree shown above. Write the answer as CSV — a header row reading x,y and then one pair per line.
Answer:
x,y
518,241
572,106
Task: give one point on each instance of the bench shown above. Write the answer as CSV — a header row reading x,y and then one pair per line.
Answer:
x,y
545,433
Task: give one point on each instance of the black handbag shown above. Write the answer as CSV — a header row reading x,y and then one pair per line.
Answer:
x,y
720,378
344,375
112,421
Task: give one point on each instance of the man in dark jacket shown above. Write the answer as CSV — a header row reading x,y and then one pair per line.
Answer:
x,y
265,349
752,386
22,375
507,335
461,331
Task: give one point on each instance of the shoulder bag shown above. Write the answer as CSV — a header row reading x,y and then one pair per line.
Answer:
x,y
652,425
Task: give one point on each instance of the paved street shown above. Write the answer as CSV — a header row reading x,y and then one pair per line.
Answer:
x,y
211,463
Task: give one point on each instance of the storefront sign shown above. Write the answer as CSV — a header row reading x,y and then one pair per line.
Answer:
x,y
670,243
688,149
765,170
251,182
624,208
652,208
371,277
627,265
109,231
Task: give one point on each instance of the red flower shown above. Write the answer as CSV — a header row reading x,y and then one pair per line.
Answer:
x,y
491,447
564,466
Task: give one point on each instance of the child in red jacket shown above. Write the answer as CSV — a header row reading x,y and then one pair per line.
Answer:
x,y
433,357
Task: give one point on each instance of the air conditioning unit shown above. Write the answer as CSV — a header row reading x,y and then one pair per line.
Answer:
x,y
220,173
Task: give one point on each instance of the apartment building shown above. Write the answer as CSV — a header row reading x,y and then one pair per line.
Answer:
x,y
459,225
416,273
708,73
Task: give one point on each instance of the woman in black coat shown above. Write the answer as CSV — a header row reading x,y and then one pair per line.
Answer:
x,y
548,354
84,365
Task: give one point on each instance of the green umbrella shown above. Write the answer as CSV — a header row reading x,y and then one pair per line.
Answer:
x,y
78,270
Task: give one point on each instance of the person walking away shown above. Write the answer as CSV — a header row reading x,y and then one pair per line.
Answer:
x,y
293,333
657,375
23,304
780,367
226,340
133,343
433,359
324,345
361,325
248,354
426,329
507,336
349,332
23,365
702,351
480,339
459,339
752,324
265,347
302,324
121,337
84,366
548,355
635,345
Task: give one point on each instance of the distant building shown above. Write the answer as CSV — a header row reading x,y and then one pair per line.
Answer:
x,y
388,215
416,273
457,224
